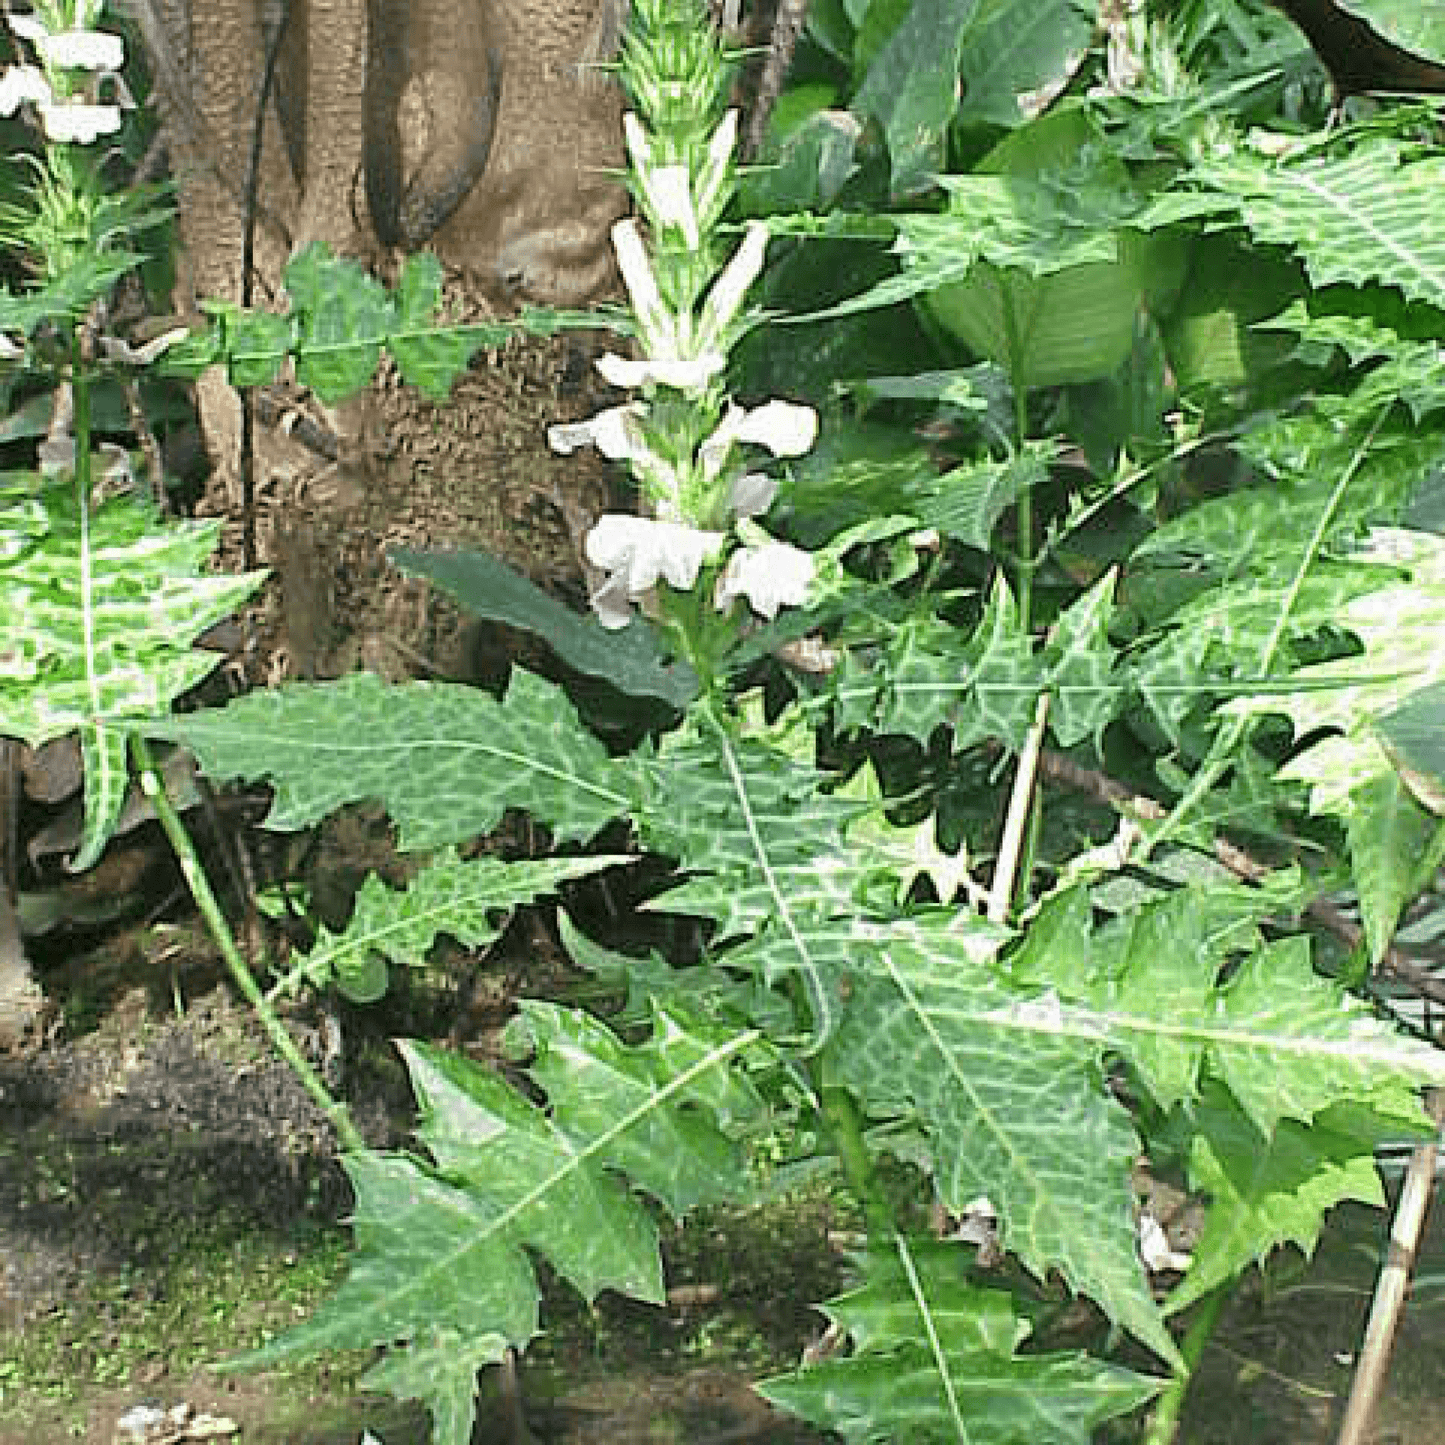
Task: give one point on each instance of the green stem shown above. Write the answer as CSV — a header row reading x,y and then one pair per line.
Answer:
x,y
1164,1422
200,887
845,1124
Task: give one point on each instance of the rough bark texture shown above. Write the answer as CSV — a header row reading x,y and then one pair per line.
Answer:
x,y
479,128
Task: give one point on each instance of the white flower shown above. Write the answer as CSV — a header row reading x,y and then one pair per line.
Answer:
x,y
68,121
83,50
608,431
9,350
683,373
770,575
786,429
637,553
21,83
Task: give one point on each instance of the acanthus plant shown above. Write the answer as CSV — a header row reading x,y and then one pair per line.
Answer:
x,y
1022,1041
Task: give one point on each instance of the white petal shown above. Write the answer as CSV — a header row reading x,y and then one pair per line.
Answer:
x,y
608,431
9,351
729,289
753,494
27,27
683,373
715,169
639,147
21,83
84,50
653,317
646,551
669,188
771,576
786,429
79,123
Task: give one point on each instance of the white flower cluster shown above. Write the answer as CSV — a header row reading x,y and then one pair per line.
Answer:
x,y
63,115
686,352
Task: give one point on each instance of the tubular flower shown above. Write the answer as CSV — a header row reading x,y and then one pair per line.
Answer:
x,y
637,553
770,575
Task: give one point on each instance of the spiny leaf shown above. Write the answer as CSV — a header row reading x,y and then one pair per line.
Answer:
x,y
440,1256
469,900
934,1361
1286,1041
1362,217
931,1029
445,760
1267,1190
98,612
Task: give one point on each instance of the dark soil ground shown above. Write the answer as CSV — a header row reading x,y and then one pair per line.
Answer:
x,y
169,1196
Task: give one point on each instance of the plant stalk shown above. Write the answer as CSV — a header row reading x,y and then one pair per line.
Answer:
x,y
1164,1422
220,931
845,1124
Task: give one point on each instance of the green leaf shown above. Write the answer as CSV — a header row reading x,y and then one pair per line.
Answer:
x,y
431,357
1287,1042
1019,50
931,1029
445,760
1267,1190
469,900
966,502
343,317
1394,846
1080,659
934,1361
1357,218
441,1256
97,615
1414,738
912,86
630,658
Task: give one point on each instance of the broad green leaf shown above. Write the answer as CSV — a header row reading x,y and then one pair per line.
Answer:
x,y
1414,25
631,658
764,840
1018,52
930,1029
470,900
912,87
445,760
1414,738
1267,1190
934,1361
1287,1041
98,611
